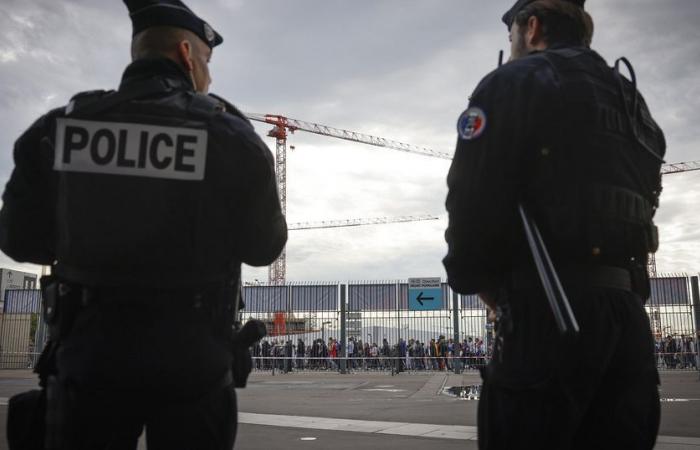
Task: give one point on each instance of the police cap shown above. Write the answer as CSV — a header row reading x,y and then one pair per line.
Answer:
x,y
520,4
151,13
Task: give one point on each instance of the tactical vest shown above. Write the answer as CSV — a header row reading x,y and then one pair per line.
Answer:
x,y
139,196
597,177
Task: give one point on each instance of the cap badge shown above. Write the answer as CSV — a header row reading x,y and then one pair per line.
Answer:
x,y
471,123
209,32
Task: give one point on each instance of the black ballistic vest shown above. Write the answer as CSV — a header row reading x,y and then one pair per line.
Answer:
x,y
597,175
158,216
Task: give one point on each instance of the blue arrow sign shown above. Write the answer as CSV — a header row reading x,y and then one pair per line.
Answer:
x,y
424,294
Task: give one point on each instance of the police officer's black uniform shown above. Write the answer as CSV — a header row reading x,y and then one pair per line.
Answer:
x,y
566,135
145,201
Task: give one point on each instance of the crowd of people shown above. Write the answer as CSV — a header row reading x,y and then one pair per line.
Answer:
x,y
679,352
412,354
676,352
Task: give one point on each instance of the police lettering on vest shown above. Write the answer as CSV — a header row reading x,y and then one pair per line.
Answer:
x,y
130,149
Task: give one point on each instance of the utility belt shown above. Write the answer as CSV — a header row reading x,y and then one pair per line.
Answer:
x,y
64,300
607,277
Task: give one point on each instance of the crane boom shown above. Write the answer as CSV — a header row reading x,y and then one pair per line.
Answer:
x,y
668,169
294,124
286,123
357,222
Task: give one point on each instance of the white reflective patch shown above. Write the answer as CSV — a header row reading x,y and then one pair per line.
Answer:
x,y
130,149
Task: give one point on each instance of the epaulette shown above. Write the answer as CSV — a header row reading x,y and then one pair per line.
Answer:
x,y
228,107
84,99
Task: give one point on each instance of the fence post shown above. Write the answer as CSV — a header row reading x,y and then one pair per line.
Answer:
x,y
695,299
457,362
343,338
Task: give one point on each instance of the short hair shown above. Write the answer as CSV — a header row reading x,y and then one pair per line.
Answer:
x,y
157,41
563,22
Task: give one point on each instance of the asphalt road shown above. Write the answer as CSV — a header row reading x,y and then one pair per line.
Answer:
x,y
411,402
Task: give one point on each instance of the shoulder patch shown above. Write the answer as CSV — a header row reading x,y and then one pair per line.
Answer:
x,y
471,123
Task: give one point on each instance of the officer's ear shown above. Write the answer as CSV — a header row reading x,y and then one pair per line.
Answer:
x,y
184,53
534,35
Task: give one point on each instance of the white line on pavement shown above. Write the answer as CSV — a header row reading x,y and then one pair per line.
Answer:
x,y
361,426
405,429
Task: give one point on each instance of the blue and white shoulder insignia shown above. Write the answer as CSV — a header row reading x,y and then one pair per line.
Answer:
x,y
471,123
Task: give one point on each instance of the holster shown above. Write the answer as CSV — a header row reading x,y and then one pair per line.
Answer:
x,y
242,365
640,279
241,338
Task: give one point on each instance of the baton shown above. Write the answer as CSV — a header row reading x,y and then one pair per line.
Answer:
x,y
237,305
558,301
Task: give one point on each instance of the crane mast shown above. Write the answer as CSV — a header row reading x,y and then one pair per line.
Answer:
x,y
277,271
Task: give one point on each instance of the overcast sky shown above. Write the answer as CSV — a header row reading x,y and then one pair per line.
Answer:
x,y
400,69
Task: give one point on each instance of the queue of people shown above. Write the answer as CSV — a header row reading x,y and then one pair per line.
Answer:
x,y
440,354
676,352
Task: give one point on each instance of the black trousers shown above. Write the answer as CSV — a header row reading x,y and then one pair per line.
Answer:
x,y
599,390
128,365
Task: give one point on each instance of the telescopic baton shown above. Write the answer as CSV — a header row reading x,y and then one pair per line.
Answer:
x,y
558,301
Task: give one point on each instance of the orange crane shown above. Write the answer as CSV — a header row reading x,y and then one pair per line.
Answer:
x,y
282,126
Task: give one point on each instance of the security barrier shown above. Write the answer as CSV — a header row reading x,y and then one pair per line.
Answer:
x,y
391,326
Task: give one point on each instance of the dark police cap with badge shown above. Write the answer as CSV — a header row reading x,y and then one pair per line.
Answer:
x,y
509,17
152,13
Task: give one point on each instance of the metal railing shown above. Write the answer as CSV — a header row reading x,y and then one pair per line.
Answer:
x,y
373,325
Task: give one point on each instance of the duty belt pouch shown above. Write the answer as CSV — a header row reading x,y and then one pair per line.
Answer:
x,y
26,414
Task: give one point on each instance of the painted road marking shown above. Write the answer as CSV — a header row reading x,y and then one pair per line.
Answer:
x,y
384,390
361,426
396,428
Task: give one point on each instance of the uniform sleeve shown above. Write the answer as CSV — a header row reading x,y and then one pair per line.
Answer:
x,y
27,218
263,230
485,180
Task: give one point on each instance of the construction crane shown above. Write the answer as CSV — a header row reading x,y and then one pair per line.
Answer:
x,y
668,169
357,222
284,125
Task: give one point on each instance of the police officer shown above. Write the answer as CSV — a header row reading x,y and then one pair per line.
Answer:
x,y
557,130
145,201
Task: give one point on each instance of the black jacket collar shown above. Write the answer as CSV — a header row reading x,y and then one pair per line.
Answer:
x,y
163,68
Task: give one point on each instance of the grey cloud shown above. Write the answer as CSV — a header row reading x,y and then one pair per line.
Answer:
x,y
401,69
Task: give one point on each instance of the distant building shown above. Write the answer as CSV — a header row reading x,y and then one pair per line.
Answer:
x,y
14,279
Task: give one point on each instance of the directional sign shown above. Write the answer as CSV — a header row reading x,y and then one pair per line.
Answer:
x,y
424,294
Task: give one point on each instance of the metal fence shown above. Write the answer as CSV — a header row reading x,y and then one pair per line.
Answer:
x,y
674,315
22,332
375,325
382,332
